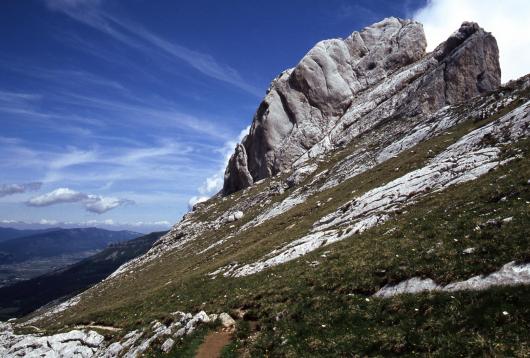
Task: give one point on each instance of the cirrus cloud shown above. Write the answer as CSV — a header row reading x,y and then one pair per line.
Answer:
x,y
92,203
214,183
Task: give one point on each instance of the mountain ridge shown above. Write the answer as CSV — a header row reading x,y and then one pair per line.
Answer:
x,y
402,230
298,118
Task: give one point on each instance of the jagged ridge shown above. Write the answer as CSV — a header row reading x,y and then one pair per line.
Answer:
x,y
344,88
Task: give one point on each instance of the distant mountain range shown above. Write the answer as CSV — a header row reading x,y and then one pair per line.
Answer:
x,y
25,296
25,254
7,233
58,242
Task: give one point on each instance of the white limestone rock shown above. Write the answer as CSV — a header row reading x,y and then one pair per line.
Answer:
x,y
167,345
342,88
226,320
510,274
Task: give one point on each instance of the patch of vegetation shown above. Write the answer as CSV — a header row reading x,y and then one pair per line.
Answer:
x,y
463,324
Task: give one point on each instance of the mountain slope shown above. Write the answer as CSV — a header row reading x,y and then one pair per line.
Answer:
x,y
24,297
420,185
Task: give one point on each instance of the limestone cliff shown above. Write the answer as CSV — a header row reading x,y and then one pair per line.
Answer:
x,y
343,87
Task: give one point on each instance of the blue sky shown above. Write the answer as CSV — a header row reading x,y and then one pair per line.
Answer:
x,y
116,113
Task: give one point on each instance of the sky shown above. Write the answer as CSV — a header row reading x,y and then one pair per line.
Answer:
x,y
122,114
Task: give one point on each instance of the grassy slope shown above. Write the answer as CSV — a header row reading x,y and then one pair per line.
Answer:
x,y
325,310
427,240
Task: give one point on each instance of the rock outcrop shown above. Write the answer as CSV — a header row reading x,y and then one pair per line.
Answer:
x,y
344,87
85,344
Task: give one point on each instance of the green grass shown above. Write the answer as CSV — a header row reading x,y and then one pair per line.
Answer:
x,y
425,240
461,324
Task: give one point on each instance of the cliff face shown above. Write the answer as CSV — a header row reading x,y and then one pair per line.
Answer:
x,y
343,87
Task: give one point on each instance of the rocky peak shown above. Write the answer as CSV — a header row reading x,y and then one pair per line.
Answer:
x,y
344,87
471,58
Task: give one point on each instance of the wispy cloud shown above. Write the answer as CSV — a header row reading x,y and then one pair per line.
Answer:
x,y
61,76
153,166
154,113
158,113
11,189
214,183
92,203
141,39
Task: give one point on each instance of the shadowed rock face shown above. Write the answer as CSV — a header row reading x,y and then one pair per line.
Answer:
x,y
344,87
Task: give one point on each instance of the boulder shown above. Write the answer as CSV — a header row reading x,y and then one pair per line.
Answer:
x,y
226,320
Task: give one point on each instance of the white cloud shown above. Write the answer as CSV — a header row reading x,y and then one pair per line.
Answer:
x,y
92,203
4,221
58,196
10,189
507,20
195,200
47,222
214,183
99,204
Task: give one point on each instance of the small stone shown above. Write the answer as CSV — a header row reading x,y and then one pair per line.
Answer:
x,y
505,313
469,250
507,220
167,345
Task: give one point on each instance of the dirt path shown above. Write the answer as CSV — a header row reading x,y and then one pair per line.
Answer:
x,y
213,344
